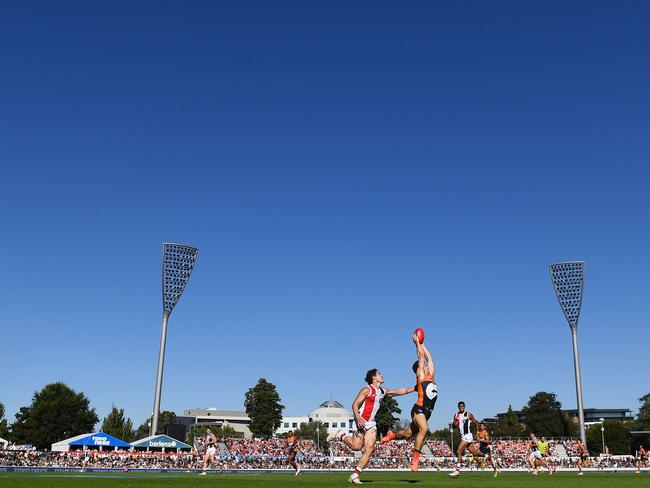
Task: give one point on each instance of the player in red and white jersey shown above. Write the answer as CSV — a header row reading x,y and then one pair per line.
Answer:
x,y
365,407
370,405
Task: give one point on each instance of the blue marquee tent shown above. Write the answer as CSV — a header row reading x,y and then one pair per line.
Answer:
x,y
98,440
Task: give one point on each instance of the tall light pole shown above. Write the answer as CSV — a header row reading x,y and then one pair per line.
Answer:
x,y
177,265
568,281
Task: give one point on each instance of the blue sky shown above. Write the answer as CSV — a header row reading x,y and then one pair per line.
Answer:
x,y
349,171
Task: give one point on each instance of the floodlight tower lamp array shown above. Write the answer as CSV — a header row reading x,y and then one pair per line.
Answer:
x,y
568,281
177,265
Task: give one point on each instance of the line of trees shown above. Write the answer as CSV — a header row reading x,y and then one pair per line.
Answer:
x,y
543,415
58,412
117,425
4,427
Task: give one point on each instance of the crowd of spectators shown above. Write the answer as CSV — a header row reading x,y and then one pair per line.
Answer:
x,y
394,449
272,454
571,447
95,459
269,447
439,448
339,449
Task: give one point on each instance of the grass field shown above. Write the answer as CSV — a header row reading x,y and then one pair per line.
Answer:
x,y
373,480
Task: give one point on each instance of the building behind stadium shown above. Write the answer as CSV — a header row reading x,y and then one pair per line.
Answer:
x,y
592,415
331,413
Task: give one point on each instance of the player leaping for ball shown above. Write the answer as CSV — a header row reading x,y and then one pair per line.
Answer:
x,y
365,408
463,421
427,395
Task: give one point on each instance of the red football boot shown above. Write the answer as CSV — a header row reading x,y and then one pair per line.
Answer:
x,y
390,435
415,462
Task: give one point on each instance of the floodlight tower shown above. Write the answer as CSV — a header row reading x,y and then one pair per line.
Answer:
x,y
177,265
568,281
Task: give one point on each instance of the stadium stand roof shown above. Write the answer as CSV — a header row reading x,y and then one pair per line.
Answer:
x,y
4,442
99,440
160,442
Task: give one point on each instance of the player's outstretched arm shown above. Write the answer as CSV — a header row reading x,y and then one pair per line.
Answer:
x,y
400,391
421,357
429,363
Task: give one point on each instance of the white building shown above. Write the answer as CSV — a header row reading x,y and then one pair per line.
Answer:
x,y
291,423
331,413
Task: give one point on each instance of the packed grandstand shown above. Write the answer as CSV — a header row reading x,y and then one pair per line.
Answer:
x,y
271,454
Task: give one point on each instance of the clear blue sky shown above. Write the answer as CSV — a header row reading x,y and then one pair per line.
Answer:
x,y
349,170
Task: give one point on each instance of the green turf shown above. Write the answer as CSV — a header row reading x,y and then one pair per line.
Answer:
x,y
373,480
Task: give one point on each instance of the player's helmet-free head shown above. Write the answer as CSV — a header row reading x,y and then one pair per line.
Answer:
x,y
415,366
461,406
371,374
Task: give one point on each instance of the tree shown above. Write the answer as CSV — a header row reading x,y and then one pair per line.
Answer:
x,y
617,438
642,423
18,431
570,426
4,429
384,417
263,407
315,430
143,430
165,419
644,412
116,425
220,432
509,425
543,414
57,412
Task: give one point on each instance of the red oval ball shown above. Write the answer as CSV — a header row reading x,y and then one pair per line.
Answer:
x,y
420,333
